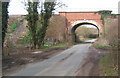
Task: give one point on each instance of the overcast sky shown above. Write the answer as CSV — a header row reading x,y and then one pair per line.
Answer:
x,y
16,7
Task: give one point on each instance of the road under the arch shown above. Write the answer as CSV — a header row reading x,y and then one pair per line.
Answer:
x,y
73,34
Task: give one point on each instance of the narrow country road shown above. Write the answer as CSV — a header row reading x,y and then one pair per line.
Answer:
x,y
63,64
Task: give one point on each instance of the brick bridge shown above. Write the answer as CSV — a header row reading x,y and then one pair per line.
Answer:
x,y
76,19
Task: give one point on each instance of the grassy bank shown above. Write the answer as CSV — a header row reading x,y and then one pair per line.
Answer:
x,y
101,46
13,27
108,63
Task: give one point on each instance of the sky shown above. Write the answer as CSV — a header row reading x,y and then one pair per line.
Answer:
x,y
17,7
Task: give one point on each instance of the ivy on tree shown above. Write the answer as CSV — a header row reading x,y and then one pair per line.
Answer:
x,y
4,20
46,14
32,19
38,33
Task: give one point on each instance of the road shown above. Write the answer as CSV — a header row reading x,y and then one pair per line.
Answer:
x,y
90,41
63,64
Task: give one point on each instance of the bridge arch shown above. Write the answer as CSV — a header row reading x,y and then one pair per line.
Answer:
x,y
78,23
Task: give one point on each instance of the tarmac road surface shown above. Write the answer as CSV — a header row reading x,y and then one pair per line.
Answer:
x,y
63,64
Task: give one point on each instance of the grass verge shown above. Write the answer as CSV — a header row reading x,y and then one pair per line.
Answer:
x,y
107,66
100,46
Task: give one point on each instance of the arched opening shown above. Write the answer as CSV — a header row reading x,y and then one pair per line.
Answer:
x,y
74,36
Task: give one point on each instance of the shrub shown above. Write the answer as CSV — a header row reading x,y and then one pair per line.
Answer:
x,y
81,41
26,39
92,36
